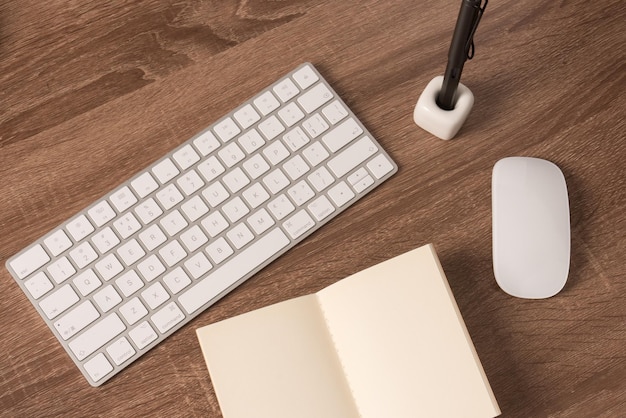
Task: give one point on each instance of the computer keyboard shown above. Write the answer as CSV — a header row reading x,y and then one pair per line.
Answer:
x,y
125,273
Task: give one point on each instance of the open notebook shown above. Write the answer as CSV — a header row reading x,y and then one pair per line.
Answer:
x,y
388,341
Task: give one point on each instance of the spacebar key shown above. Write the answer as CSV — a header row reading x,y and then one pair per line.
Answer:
x,y
233,270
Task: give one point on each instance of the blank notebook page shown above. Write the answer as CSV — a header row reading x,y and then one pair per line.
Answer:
x,y
402,341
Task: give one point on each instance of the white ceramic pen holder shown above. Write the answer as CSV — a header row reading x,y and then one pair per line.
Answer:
x,y
439,122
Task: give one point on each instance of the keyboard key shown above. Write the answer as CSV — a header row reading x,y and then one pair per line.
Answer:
x,y
79,228
206,143
151,268
83,255
172,253
251,141
285,90
315,125
167,317
231,154
215,194
298,224
185,157
256,166
101,213
109,267
173,223
379,166
271,128
129,283
61,270
335,112
314,98
87,282
290,114
142,335
235,209
152,237
219,250
105,240
169,196
240,235
155,295
148,211
165,171
107,298
133,311
176,280
126,225
363,184
321,208
190,183
123,199
281,207
193,238
57,242
260,221
194,208
95,337
38,285
247,116
236,268
120,351
275,152
58,301
276,181
305,77
321,178
295,139
226,129
98,367
198,265
130,252
255,195
76,319
342,135
214,224
29,261
357,176
341,194
300,193
296,167
315,154
144,184
266,103
235,180
351,157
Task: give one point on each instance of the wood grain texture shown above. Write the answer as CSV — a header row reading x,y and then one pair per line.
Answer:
x,y
91,92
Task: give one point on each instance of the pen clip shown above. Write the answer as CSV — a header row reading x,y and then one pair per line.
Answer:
x,y
469,46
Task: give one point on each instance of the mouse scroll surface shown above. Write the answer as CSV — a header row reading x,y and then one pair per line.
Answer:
x,y
531,229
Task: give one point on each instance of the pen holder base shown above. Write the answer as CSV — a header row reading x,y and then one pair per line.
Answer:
x,y
442,123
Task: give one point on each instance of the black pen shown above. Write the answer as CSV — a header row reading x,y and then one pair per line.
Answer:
x,y
461,49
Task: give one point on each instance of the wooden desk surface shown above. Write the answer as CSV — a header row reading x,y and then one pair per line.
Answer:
x,y
92,92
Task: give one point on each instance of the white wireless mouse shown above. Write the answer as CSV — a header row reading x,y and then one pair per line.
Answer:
x,y
531,228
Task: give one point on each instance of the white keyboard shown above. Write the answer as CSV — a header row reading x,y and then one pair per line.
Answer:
x,y
129,270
